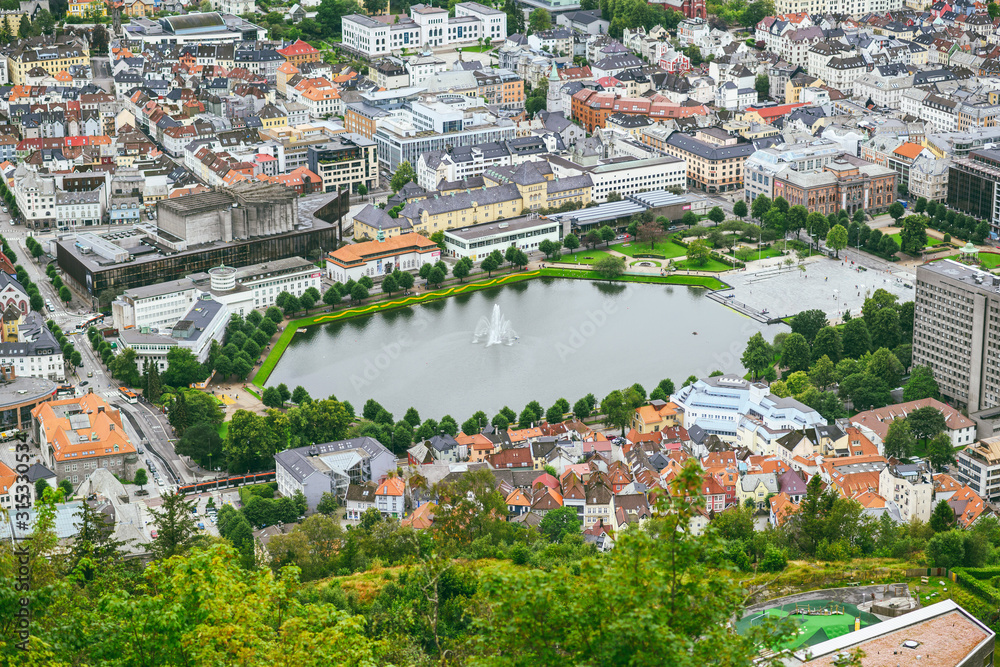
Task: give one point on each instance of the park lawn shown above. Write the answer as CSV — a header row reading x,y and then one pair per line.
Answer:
x,y
765,253
931,241
989,260
711,266
668,249
695,281
654,262
582,256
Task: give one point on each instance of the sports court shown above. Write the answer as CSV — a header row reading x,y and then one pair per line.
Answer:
x,y
818,620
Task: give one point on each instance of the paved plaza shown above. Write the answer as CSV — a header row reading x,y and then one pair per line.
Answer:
x,y
829,285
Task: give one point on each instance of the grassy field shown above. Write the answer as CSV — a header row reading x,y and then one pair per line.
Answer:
x,y
987,260
654,262
931,241
668,249
711,266
582,256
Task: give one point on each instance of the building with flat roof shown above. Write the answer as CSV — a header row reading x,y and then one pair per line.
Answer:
x,y
425,27
154,306
973,186
478,241
956,312
407,252
195,28
261,283
144,254
942,634
345,161
331,467
979,467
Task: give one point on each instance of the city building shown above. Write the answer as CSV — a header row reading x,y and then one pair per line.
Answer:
x,y
972,186
960,429
156,306
942,633
205,322
761,168
79,435
346,161
389,496
32,350
247,223
425,27
407,252
259,284
69,55
956,309
845,183
979,467
478,241
331,467
713,157
911,487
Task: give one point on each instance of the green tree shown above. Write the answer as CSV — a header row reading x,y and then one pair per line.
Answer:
x,y
489,265
124,368
808,323
899,441
828,344
943,517
896,210
856,338
359,292
716,215
571,242
300,395
760,206
65,295
202,443
436,276
183,368
175,529
271,398
740,209
946,549
584,407
757,356
823,372
926,422
763,86
884,365
884,328
920,385
795,354
141,479
404,174
460,271
540,20
699,252
559,524
940,452
617,410
610,267
836,238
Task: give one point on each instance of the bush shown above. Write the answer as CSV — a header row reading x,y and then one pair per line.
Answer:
x,y
774,560
519,554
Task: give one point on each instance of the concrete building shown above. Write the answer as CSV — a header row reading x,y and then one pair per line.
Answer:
x,y
478,241
911,487
956,311
259,284
241,212
156,306
979,467
331,467
80,435
972,186
407,252
426,27
345,162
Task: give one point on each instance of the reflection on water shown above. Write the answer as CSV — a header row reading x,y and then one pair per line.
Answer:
x,y
574,337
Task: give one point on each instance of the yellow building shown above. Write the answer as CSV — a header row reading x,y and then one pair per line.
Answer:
x,y
654,417
14,18
750,130
90,9
794,86
66,56
273,117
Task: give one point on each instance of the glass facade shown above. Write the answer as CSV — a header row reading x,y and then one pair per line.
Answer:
x,y
971,191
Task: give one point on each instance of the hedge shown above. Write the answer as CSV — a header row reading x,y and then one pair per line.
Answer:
x,y
973,580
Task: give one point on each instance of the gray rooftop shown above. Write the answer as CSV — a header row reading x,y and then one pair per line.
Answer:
x,y
25,390
485,229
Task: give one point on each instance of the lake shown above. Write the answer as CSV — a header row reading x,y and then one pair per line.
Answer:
x,y
574,337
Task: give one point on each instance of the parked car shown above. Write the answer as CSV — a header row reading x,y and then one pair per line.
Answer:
x,y
84,383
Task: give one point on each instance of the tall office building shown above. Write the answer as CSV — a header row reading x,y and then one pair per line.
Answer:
x,y
956,332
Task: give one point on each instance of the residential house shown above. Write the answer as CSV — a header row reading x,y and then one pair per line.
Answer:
x,y
360,498
389,495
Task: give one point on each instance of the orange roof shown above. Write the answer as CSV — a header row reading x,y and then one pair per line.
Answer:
x,y
517,497
974,505
782,507
299,48
776,111
356,253
859,444
96,428
944,483
909,150
7,478
391,486
869,499
421,518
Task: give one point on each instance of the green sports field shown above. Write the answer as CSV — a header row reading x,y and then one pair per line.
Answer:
x,y
813,629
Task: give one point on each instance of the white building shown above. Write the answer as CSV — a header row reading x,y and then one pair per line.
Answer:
x,y
331,467
407,252
157,306
845,7
737,410
79,209
478,241
762,166
979,467
360,498
35,353
234,7
426,27
627,177
911,487
258,285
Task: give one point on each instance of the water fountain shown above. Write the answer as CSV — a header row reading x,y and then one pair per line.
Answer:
x,y
495,329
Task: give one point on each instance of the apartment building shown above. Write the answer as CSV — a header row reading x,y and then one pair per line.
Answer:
x,y
844,183
714,158
592,108
346,161
979,467
844,7
425,27
956,312
29,348
52,58
911,487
